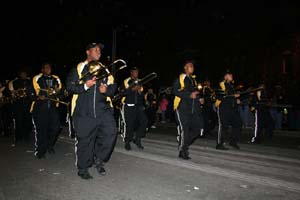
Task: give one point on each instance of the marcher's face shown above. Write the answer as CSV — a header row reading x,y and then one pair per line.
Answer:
x,y
94,53
189,68
229,77
23,75
135,74
47,69
207,83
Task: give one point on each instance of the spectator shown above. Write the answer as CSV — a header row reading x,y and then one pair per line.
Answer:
x,y
243,107
163,107
277,112
293,99
150,101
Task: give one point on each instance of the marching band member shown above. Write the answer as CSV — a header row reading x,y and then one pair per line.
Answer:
x,y
150,108
136,121
19,88
5,110
209,114
228,114
262,115
187,106
45,113
92,115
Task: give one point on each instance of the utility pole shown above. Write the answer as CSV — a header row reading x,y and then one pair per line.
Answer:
x,y
114,49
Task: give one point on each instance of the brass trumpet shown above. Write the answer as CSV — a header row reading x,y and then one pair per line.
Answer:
x,y
96,68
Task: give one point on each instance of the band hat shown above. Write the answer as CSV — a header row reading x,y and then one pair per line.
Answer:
x,y
93,45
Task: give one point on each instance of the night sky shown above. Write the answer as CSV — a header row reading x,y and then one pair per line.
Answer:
x,y
152,35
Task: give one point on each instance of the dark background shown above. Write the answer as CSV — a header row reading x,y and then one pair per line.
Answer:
x,y
253,38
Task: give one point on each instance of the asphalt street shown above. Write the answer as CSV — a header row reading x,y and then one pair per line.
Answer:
x,y
266,171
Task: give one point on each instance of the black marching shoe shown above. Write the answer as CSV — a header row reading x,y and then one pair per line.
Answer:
x,y
221,147
138,143
84,175
100,167
51,151
127,146
255,141
40,156
184,155
234,145
101,170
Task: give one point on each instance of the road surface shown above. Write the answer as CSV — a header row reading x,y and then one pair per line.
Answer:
x,y
270,171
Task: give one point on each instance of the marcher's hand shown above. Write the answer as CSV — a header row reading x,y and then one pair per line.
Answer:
x,y
66,93
134,88
91,82
238,101
57,90
201,100
237,95
194,94
102,88
137,88
41,97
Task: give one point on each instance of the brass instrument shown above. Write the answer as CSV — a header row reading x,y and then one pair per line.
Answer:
x,y
142,81
58,101
211,94
19,93
96,68
198,87
250,90
166,90
49,91
269,104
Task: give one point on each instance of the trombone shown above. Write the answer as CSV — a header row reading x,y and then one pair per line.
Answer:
x,y
49,91
198,87
96,68
146,79
142,81
248,91
57,101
